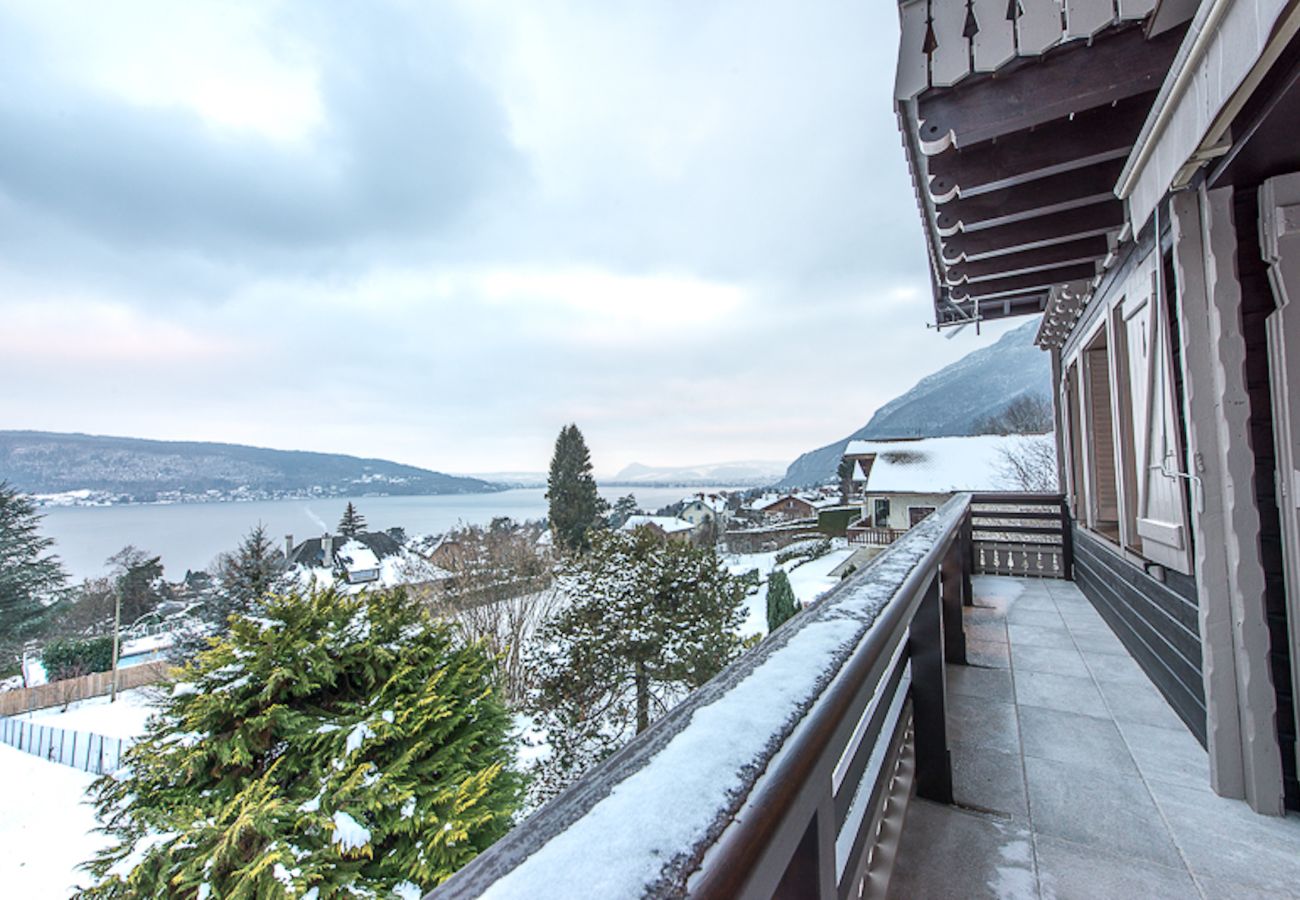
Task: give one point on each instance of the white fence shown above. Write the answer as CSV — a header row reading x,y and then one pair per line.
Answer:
x,y
83,750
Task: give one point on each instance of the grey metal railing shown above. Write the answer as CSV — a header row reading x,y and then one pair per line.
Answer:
x,y
817,777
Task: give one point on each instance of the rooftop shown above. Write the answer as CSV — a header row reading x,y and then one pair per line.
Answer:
x,y
939,465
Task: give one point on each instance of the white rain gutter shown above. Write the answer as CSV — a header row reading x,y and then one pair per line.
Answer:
x,y
1214,141
1167,101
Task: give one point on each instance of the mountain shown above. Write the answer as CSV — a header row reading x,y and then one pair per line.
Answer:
x,y
953,401
755,472
116,469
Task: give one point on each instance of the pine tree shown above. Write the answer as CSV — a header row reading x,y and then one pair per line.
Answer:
x,y
138,577
781,603
845,475
333,745
30,577
647,621
352,523
571,489
244,578
624,508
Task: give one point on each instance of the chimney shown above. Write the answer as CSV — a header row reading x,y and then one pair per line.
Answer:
x,y
327,551
288,547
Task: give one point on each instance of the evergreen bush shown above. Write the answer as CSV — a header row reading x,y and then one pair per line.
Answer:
x,y
331,746
781,602
70,657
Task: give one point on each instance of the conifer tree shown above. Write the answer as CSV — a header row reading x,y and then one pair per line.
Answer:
x,y
30,577
575,505
332,746
352,523
244,578
781,603
845,475
624,508
647,621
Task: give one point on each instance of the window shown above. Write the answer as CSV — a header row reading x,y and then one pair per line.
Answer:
x,y
916,513
880,512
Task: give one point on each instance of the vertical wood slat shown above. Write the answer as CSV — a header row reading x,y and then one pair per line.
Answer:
x,y
994,44
1084,18
913,73
1135,9
1039,26
950,62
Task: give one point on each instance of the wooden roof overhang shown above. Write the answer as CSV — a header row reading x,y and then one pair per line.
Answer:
x,y
1015,168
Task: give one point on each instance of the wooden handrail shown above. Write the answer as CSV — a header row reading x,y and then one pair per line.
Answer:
x,y
877,700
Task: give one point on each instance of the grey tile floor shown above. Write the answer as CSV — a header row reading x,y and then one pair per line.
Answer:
x,y
1073,778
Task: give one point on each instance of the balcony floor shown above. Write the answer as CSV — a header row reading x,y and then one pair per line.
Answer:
x,y
1073,777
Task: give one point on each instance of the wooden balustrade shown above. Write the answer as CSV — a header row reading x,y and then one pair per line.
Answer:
x,y
812,806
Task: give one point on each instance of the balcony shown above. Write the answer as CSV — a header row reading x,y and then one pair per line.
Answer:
x,y
924,730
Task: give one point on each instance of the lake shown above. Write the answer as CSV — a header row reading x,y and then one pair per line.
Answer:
x,y
190,535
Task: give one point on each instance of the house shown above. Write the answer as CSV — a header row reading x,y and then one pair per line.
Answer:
x,y
670,527
701,508
1132,173
801,505
901,482
356,559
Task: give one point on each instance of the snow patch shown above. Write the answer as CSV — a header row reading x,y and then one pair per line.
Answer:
x,y
349,834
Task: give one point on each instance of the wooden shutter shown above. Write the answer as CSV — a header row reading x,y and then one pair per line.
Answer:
x,y
1162,521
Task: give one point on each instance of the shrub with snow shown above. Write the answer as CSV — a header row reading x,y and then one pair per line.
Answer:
x,y
333,745
647,621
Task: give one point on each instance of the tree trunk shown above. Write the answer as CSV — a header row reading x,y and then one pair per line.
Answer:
x,y
642,698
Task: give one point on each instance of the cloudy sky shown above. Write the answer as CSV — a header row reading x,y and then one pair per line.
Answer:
x,y
437,232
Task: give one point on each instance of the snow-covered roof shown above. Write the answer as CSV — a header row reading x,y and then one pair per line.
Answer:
x,y
817,501
667,524
939,465
357,557
712,501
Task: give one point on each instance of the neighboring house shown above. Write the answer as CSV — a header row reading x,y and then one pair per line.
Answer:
x,y
902,482
670,527
802,505
701,508
356,560
1138,184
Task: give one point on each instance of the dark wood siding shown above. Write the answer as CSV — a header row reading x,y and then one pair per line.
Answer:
x,y
1157,622
1256,305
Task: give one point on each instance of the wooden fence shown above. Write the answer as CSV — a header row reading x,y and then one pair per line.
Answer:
x,y
70,690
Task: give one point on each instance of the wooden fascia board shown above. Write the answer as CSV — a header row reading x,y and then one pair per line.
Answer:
x,y
1075,77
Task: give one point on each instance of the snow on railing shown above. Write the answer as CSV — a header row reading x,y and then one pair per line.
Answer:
x,y
786,771
82,750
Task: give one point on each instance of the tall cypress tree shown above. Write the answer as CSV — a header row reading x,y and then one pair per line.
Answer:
x,y
781,603
571,489
352,523
30,577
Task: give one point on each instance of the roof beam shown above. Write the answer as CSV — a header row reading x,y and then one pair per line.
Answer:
x,y
1088,249
1078,76
1043,231
1055,193
1028,282
1098,135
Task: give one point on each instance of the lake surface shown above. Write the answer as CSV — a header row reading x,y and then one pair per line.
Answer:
x,y
190,535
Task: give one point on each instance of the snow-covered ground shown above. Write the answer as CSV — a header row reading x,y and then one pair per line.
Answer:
x,y
123,719
46,827
809,579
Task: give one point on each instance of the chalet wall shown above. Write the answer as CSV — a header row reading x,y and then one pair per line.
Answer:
x,y
1157,622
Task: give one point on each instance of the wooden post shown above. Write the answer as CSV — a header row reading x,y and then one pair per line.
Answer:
x,y
953,594
929,697
117,629
1067,542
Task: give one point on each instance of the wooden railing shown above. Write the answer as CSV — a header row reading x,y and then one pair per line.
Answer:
x,y
874,537
788,774
1021,534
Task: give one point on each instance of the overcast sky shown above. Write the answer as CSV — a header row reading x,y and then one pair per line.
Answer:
x,y
436,236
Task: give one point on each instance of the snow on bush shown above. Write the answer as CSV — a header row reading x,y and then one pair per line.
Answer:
x,y
333,745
